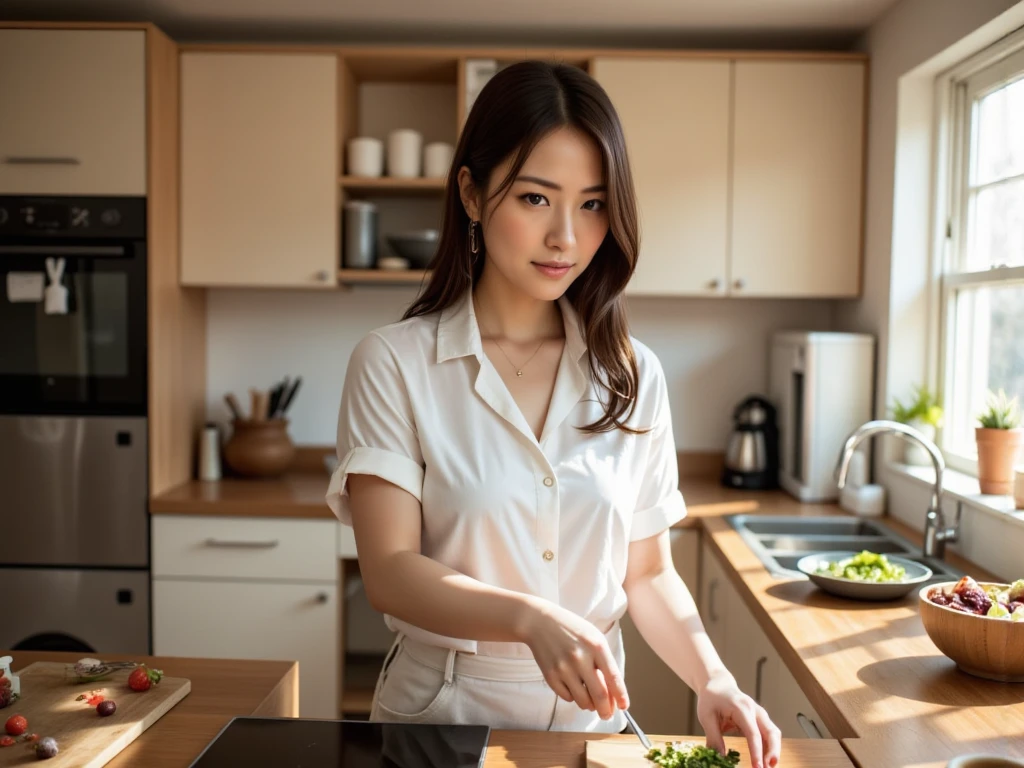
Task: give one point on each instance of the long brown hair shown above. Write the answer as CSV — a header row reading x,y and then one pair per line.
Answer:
x,y
517,108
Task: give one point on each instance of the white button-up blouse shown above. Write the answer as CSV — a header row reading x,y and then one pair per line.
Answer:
x,y
424,409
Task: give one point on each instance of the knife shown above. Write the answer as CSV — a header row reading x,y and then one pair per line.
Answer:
x,y
636,729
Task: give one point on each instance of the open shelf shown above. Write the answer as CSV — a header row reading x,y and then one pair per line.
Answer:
x,y
386,185
381,276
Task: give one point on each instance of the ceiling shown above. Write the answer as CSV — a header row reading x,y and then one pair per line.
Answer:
x,y
770,23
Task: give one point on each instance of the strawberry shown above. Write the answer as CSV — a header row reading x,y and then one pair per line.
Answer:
x,y
6,741
6,697
141,679
16,725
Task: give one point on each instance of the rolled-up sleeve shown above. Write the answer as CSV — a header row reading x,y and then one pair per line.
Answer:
x,y
376,429
659,502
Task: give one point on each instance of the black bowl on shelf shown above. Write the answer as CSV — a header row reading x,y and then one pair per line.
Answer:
x,y
418,246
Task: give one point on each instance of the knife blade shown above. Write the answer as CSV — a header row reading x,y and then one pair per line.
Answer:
x,y
637,730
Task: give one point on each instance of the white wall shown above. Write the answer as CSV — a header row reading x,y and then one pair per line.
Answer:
x,y
714,351
903,45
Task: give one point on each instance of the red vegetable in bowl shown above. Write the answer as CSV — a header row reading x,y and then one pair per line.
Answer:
x,y
970,597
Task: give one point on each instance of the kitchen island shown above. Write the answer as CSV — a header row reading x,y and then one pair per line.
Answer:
x,y
222,689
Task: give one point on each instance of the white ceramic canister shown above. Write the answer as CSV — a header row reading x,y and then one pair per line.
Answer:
x,y
437,159
365,156
405,153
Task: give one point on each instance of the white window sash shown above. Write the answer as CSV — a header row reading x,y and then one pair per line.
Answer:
x,y
957,91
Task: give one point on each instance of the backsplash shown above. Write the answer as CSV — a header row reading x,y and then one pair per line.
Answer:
x,y
714,351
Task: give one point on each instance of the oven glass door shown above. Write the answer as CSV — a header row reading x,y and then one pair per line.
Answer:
x,y
73,327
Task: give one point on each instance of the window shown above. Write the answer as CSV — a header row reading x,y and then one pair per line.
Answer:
x,y
982,277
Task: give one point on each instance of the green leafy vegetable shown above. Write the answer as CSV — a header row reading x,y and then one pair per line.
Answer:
x,y
680,755
865,566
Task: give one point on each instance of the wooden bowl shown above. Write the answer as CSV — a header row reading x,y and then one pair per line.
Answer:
x,y
980,645
983,761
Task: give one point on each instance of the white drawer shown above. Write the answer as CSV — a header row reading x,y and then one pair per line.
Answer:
x,y
249,548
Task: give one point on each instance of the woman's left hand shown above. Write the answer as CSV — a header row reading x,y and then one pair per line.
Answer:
x,y
723,707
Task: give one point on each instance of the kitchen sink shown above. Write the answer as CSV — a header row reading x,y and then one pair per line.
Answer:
x,y
780,541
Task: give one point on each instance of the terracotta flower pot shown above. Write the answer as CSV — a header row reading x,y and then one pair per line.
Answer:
x,y
259,448
998,451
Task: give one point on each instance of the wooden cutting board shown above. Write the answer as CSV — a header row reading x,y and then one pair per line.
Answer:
x,y
626,752
85,739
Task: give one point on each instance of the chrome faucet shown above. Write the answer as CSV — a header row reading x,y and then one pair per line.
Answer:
x,y
936,534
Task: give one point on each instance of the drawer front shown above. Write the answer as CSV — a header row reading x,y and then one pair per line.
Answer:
x,y
237,620
247,548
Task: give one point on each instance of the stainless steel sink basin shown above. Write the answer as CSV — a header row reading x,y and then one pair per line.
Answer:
x,y
780,541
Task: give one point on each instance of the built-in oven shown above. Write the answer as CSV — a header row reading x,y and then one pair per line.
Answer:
x,y
73,423
73,316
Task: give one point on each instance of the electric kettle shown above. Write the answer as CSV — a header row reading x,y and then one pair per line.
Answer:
x,y
752,454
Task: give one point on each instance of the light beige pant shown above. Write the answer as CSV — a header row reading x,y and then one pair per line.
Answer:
x,y
427,684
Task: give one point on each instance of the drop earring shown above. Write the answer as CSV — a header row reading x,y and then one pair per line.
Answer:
x,y
474,241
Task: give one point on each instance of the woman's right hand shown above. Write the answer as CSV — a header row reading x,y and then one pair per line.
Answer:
x,y
574,657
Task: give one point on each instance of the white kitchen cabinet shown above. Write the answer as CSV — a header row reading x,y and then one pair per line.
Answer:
x,y
797,178
748,173
259,169
252,588
658,698
74,112
749,655
255,620
675,115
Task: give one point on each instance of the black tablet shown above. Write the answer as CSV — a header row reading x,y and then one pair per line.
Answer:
x,y
287,742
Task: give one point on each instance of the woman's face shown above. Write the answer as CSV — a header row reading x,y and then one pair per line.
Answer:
x,y
545,230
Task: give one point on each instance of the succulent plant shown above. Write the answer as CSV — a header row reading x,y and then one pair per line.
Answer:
x,y
1002,413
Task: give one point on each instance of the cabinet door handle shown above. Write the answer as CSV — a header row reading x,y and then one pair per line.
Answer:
x,y
714,283
711,600
321,597
738,283
809,726
242,544
322,275
757,679
24,160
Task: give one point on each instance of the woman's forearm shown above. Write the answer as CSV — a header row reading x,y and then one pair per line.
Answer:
x,y
432,596
665,613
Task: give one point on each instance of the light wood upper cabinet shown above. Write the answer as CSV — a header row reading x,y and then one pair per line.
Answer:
x,y
675,115
259,169
797,178
73,106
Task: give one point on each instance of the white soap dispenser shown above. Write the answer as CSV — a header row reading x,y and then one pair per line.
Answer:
x,y
858,496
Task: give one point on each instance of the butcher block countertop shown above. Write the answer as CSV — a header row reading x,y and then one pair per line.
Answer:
x,y
220,690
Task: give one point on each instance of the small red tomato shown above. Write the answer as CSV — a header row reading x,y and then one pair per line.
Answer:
x,y
30,737
16,725
141,679
6,741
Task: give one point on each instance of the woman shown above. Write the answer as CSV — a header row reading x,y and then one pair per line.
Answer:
x,y
506,451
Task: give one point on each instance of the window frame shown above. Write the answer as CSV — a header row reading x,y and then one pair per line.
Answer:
x,y
956,92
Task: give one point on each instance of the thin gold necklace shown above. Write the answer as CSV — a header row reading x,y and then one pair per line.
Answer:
x,y
519,368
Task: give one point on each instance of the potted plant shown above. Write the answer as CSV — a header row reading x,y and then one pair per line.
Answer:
x,y
1000,444
924,414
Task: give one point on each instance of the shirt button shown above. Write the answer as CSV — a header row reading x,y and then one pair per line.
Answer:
x,y
549,481
549,555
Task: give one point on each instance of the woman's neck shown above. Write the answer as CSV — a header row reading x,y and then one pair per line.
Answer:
x,y
506,313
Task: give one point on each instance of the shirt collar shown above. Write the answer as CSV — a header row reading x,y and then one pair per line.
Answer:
x,y
458,334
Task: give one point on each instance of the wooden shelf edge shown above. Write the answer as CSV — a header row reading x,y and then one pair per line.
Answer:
x,y
382,276
421,184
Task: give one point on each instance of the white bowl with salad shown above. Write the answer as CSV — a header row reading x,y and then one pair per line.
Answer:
x,y
864,575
